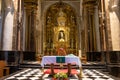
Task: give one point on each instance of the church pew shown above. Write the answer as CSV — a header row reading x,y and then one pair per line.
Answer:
x,y
4,70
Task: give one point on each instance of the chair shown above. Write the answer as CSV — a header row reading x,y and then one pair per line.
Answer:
x,y
4,70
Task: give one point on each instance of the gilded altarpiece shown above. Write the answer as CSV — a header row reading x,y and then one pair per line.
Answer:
x,y
61,30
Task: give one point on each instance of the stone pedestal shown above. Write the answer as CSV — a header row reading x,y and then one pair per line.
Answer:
x,y
114,70
114,65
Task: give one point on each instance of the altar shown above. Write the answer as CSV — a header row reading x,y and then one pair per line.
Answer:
x,y
60,59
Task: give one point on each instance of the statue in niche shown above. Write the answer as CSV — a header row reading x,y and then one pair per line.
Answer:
x,y
61,36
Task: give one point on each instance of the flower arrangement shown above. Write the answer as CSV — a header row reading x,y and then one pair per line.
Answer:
x,y
62,76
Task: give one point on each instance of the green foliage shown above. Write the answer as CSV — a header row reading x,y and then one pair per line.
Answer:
x,y
60,75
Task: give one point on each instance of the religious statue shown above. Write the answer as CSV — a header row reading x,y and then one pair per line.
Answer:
x,y
61,36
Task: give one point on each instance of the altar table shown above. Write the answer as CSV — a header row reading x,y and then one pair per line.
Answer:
x,y
66,59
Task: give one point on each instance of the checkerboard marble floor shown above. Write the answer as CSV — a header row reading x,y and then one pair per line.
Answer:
x,y
35,74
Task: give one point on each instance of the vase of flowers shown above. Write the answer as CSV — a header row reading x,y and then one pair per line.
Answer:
x,y
60,76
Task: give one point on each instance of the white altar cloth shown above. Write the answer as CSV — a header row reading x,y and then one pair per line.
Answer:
x,y
68,59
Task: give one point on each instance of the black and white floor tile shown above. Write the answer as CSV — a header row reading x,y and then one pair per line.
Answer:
x,y
94,75
35,74
28,74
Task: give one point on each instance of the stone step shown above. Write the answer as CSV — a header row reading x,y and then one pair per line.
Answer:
x,y
93,66
24,65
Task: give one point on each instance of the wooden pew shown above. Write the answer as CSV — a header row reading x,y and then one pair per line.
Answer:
x,y
4,70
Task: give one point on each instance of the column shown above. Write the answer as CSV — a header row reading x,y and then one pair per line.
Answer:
x,y
114,54
107,25
80,28
85,32
0,22
24,29
42,38
115,24
101,30
90,41
30,25
38,31
97,28
8,25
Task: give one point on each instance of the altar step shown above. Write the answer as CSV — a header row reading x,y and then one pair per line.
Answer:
x,y
29,65
84,66
93,66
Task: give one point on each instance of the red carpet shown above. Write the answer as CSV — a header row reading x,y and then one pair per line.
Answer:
x,y
73,71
